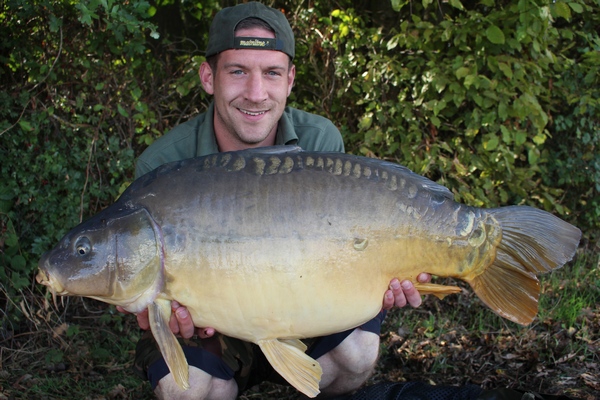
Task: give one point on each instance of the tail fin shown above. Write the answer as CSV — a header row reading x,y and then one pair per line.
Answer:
x,y
533,242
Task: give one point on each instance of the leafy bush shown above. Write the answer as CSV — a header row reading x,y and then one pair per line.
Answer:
x,y
72,109
485,98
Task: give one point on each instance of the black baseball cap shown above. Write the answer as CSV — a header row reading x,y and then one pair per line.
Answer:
x,y
221,36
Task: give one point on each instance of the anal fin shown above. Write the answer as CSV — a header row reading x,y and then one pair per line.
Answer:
x,y
439,291
159,313
288,358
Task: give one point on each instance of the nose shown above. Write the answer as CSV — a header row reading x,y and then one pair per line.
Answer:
x,y
255,88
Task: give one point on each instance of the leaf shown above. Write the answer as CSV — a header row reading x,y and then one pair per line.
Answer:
x,y
562,10
491,143
72,330
520,138
18,262
25,125
488,119
60,329
122,111
438,106
502,111
19,281
470,80
398,4
365,122
344,30
578,8
494,34
11,240
506,70
461,72
506,136
136,93
53,356
539,139
533,155
456,4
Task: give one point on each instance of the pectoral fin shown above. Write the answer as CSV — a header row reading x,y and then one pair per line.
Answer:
x,y
159,313
439,291
288,358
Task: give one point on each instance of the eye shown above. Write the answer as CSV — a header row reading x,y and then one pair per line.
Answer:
x,y
83,246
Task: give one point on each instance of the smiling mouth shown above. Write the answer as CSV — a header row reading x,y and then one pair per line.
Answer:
x,y
252,113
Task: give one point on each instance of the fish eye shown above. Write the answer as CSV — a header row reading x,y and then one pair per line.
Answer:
x,y
83,246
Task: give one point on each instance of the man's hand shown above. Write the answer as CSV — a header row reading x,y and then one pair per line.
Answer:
x,y
402,293
180,323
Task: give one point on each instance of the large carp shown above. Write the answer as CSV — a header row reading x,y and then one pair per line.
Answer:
x,y
276,244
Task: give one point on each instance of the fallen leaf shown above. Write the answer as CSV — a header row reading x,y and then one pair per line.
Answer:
x,y
60,330
591,380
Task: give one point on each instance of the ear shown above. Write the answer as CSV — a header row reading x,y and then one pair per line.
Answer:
x,y
206,77
291,77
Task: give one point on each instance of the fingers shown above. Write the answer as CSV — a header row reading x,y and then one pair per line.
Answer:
x,y
121,309
142,319
424,277
402,293
181,321
205,333
388,299
411,294
394,296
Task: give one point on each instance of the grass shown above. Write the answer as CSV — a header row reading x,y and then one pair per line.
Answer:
x,y
85,350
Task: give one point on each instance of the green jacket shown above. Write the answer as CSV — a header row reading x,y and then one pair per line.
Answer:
x,y
196,138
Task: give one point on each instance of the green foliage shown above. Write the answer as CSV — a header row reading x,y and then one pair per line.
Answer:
x,y
71,108
465,94
496,100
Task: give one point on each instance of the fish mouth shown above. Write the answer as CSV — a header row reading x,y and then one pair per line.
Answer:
x,y
51,285
42,278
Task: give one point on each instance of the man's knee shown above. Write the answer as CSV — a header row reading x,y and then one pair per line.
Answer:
x,y
358,352
202,387
349,365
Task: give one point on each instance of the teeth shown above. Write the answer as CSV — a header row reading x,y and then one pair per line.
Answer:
x,y
252,113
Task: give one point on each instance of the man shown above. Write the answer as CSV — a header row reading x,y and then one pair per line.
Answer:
x,y
249,72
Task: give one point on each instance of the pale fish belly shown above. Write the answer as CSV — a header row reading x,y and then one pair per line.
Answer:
x,y
293,288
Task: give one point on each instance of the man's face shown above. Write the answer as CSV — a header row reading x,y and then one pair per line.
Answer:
x,y
250,89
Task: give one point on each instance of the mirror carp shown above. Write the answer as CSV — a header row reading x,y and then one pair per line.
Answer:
x,y
272,245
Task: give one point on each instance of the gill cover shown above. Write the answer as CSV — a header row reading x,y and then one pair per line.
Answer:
x,y
138,268
115,257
